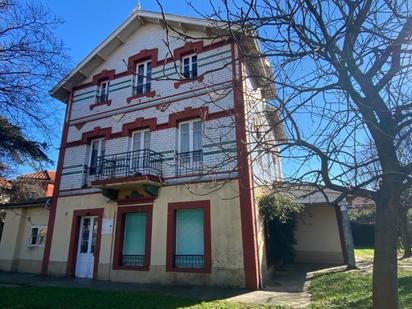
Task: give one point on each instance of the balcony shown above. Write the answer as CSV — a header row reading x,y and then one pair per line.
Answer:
x,y
123,170
189,163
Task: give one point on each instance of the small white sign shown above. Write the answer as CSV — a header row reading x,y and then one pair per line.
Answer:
x,y
107,226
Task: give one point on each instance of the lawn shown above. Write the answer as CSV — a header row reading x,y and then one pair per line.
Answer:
x,y
364,253
41,297
353,290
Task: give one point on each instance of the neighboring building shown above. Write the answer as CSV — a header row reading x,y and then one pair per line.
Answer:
x,y
25,224
5,187
153,181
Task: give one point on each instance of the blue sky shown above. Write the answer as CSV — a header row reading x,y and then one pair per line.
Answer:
x,y
88,22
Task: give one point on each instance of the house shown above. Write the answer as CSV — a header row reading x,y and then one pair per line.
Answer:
x,y
25,223
154,182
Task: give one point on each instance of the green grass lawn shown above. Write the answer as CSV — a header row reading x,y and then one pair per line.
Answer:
x,y
353,290
42,297
364,253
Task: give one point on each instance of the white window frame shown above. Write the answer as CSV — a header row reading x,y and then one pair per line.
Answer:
x,y
190,57
145,76
190,122
107,83
99,148
39,228
141,139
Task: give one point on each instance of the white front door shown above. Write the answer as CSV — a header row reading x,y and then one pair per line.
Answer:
x,y
86,246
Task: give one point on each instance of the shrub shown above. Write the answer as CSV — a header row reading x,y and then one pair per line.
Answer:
x,y
279,213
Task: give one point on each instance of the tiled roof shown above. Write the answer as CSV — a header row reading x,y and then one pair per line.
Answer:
x,y
41,175
4,183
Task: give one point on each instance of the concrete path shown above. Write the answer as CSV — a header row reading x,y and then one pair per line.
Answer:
x,y
288,288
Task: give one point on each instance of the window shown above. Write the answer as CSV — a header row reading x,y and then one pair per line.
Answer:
x,y
37,236
189,67
133,237
189,243
142,79
97,149
140,144
190,153
103,92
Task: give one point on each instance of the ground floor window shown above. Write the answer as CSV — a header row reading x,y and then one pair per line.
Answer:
x,y
189,247
37,236
133,237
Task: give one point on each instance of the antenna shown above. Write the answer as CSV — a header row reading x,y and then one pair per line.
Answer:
x,y
138,7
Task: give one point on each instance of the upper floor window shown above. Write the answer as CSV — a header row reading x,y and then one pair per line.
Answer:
x,y
97,149
103,92
142,79
189,66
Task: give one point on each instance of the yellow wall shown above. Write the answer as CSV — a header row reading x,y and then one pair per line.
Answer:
x,y
15,252
227,254
317,236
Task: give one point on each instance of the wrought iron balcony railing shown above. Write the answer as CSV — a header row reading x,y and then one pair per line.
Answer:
x,y
132,260
102,98
140,89
143,162
189,261
189,163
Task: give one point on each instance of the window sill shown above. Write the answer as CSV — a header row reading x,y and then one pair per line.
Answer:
x,y
35,246
108,103
199,79
134,268
205,270
149,94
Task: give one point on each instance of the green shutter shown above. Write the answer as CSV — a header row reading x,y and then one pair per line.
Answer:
x,y
189,232
135,234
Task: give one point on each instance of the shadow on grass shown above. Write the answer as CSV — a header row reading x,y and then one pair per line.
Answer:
x,y
44,297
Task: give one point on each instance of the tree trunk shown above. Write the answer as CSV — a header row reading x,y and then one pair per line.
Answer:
x,y
385,282
404,232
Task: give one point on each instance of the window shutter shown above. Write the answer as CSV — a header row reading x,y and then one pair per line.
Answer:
x,y
189,232
135,234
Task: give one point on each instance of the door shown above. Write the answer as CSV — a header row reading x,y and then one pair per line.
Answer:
x,y
139,157
86,246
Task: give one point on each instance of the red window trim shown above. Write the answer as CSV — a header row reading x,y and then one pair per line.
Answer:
x,y
171,235
118,243
74,239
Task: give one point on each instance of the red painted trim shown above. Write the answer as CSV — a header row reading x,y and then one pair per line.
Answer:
x,y
151,123
118,243
247,209
74,239
143,55
103,75
171,235
198,79
134,201
187,49
339,219
139,124
93,106
150,94
151,55
125,179
53,204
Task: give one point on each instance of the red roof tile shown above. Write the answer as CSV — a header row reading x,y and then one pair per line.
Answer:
x,y
41,175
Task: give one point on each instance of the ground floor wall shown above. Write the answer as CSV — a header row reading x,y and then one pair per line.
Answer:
x,y
227,267
16,252
317,236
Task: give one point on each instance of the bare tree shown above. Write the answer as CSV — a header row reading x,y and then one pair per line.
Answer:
x,y
341,70
31,60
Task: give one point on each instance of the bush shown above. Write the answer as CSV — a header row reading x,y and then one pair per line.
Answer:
x,y
279,213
